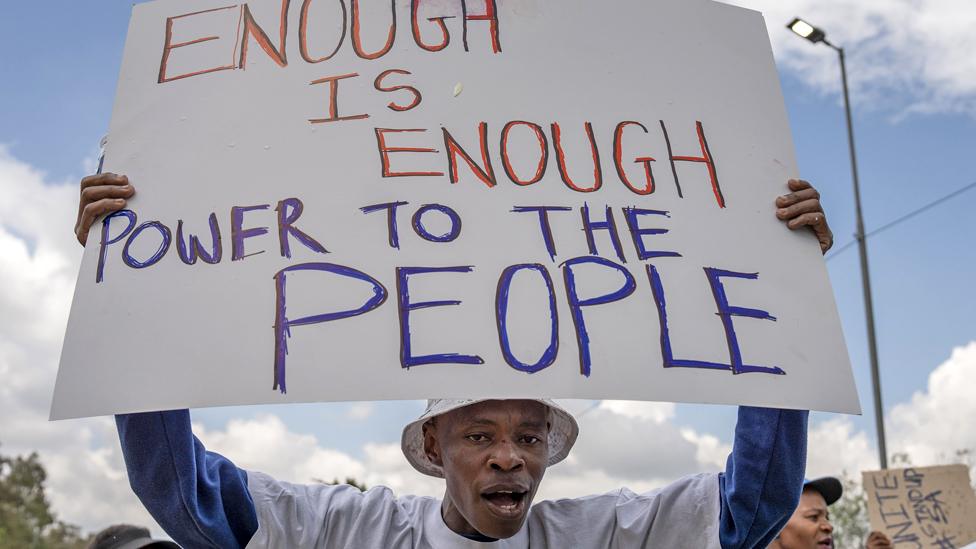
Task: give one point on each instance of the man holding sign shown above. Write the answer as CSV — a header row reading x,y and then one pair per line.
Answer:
x,y
493,455
509,200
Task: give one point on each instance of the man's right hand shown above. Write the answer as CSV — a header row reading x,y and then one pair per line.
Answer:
x,y
100,194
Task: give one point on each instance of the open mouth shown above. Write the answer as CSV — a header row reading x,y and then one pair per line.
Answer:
x,y
505,503
826,543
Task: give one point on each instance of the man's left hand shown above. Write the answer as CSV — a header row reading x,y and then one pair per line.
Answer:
x,y
802,208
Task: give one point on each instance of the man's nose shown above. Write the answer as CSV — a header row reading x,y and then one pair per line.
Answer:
x,y
505,457
826,526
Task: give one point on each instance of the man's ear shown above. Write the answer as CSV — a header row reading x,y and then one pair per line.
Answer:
x,y
432,446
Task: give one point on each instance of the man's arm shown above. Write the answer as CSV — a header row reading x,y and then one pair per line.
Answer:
x,y
200,498
763,479
763,476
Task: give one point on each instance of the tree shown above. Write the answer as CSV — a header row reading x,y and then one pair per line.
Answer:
x,y
26,518
849,516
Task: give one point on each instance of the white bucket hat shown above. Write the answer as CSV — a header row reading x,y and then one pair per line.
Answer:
x,y
563,431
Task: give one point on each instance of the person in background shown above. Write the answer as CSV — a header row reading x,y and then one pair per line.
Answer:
x,y
127,536
809,527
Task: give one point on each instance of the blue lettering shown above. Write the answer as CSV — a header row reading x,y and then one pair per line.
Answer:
x,y
501,317
407,358
282,325
165,235
576,304
105,242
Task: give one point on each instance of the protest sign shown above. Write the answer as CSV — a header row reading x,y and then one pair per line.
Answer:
x,y
351,199
922,506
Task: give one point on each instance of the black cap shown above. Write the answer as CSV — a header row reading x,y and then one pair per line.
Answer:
x,y
127,536
829,487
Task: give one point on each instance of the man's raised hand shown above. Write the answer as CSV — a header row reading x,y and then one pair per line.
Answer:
x,y
100,194
802,208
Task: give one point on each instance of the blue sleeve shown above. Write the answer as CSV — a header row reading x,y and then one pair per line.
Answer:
x,y
200,498
763,477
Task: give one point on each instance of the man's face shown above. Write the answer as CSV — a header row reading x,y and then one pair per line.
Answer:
x,y
494,454
809,527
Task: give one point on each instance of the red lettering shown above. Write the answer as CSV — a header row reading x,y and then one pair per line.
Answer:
x,y
251,28
645,160
303,33
705,158
357,41
168,46
385,151
485,174
445,36
543,153
378,84
490,15
561,160
334,99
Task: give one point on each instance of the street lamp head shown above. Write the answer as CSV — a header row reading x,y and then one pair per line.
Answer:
x,y
806,30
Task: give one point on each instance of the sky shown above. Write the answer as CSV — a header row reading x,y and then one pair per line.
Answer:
x,y
913,84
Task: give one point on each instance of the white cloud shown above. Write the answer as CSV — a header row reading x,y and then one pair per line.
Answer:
x,y
634,442
836,448
360,411
266,444
930,428
86,477
710,452
936,423
658,412
903,56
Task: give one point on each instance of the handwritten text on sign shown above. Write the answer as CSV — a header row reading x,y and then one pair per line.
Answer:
x,y
358,201
923,506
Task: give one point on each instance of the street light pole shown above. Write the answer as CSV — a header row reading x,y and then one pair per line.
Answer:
x,y
815,35
862,247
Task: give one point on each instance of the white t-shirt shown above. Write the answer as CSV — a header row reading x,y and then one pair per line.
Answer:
x,y
682,514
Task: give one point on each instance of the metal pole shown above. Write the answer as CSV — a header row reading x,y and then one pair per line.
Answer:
x,y
865,274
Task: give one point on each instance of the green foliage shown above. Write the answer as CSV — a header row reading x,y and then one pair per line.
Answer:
x,y
849,515
26,518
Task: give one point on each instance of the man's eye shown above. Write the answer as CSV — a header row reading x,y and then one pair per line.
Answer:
x,y
530,439
477,437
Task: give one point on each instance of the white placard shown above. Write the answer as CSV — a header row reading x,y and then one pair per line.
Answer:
x,y
514,198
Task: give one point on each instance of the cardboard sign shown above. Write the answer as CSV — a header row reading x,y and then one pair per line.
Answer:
x,y
344,200
922,506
